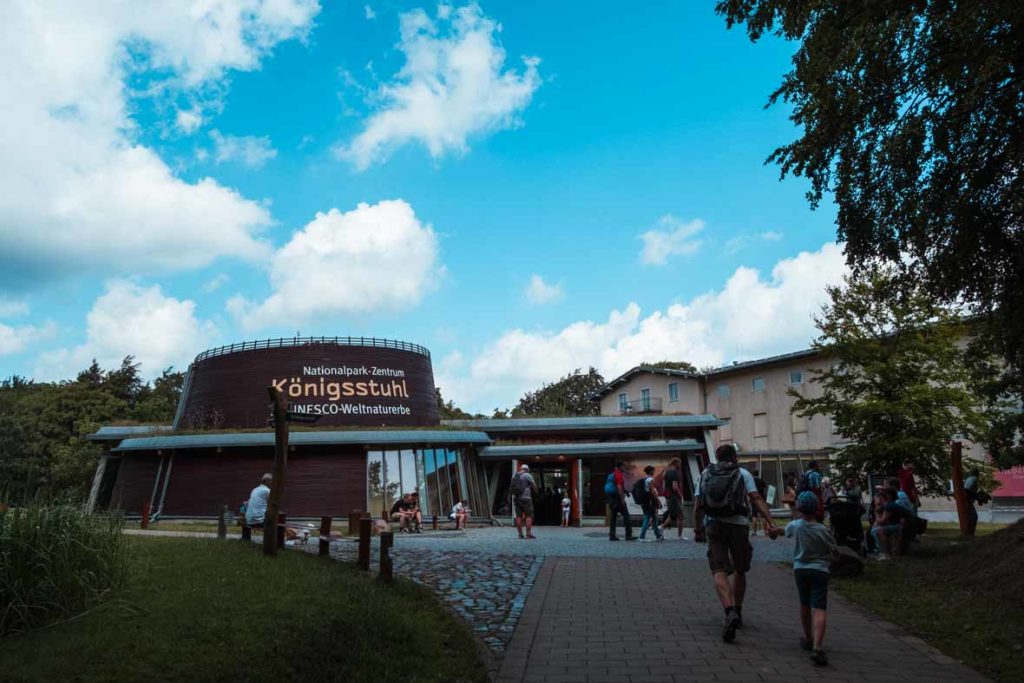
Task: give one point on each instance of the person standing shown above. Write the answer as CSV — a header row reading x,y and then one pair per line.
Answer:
x,y
523,488
908,485
615,492
812,554
649,502
673,485
566,508
811,481
256,509
972,489
721,517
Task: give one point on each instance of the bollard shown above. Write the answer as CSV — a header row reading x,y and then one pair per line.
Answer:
x,y
282,523
387,538
353,522
433,524
145,515
365,526
222,522
325,536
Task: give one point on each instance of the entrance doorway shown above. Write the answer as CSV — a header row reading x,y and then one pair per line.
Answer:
x,y
552,484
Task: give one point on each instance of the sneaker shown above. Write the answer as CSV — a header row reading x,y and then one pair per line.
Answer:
x,y
660,538
806,645
643,540
819,658
882,557
613,538
729,625
630,538
530,536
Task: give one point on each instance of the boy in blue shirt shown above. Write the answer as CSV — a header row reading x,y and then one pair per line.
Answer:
x,y
815,547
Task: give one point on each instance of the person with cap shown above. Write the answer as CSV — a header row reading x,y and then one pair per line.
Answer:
x,y
523,488
813,551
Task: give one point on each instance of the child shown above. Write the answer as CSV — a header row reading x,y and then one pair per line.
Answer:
x,y
460,514
566,506
814,549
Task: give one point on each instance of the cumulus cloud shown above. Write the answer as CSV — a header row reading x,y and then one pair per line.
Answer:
x,y
671,237
129,319
453,85
77,191
750,316
188,121
15,339
10,308
540,292
746,240
375,258
251,151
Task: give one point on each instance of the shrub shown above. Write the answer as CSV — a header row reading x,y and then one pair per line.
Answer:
x,y
56,560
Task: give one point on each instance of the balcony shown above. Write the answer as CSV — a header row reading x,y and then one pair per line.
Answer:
x,y
643,406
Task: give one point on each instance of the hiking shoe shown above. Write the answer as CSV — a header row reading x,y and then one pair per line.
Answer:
x,y
660,538
729,625
739,620
819,658
806,645
613,538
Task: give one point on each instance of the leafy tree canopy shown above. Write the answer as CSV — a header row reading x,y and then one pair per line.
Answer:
x,y
568,396
898,388
912,115
447,410
673,365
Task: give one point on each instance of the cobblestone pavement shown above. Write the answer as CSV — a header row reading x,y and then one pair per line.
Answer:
x,y
592,619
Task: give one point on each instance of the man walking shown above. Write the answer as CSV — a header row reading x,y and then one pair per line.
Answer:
x,y
811,481
615,491
673,485
721,515
649,502
523,488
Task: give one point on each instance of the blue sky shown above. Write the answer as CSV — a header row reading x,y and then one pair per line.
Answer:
x,y
542,186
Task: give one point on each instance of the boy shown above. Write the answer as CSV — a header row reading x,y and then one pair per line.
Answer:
x,y
566,507
813,551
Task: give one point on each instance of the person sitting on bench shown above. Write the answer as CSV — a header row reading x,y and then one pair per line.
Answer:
x,y
460,514
256,508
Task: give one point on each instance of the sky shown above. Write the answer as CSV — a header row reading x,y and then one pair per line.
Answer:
x,y
525,188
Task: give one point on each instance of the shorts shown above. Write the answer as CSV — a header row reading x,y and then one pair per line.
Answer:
x,y
812,586
565,514
524,507
891,529
675,508
729,548
396,516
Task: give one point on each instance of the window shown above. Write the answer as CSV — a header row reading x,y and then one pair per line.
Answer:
x,y
645,399
796,377
798,423
725,431
623,402
723,390
673,392
758,384
760,424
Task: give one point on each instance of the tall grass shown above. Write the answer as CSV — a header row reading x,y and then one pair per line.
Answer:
x,y
55,561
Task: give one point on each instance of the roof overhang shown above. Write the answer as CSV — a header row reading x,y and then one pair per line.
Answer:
x,y
119,432
640,369
577,450
313,438
578,426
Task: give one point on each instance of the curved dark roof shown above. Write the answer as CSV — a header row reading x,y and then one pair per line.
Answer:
x,y
409,437
282,342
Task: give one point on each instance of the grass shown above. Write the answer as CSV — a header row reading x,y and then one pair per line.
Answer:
x,y
55,561
928,593
197,609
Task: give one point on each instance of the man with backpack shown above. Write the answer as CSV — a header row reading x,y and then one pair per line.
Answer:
x,y
811,481
646,493
721,516
674,495
615,492
522,489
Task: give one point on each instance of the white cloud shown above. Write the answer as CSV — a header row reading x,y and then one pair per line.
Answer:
x,y
77,191
540,292
672,237
189,120
375,258
453,85
129,319
745,240
11,309
770,236
370,14
15,339
748,317
214,283
250,150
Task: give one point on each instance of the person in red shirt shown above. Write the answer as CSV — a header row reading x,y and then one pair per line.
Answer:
x,y
907,484
615,492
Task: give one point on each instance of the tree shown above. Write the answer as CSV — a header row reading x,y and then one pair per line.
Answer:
x,y
568,396
898,387
672,365
447,410
912,116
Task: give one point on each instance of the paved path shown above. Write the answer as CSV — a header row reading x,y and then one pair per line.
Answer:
x,y
584,622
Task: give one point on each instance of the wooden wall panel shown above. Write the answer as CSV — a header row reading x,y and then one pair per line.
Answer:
x,y
230,391
134,483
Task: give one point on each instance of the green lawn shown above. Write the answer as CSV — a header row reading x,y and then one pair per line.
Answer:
x,y
197,609
962,596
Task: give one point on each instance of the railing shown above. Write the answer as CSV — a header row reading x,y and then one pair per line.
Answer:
x,y
641,406
283,342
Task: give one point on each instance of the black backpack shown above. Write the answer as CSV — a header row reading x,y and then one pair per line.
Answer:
x,y
518,486
640,494
804,484
722,491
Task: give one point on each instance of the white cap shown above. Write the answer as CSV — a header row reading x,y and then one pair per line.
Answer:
x,y
524,468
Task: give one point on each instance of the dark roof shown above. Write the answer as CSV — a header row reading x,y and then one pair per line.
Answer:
x,y
771,360
581,449
250,439
629,374
118,432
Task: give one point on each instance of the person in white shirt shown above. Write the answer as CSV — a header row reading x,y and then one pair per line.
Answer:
x,y
460,514
566,507
256,509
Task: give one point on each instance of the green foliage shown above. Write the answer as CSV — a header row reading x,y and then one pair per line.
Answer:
x,y
898,388
197,610
43,425
568,396
911,115
55,561
447,410
672,365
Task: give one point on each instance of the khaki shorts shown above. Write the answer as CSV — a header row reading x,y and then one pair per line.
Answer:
x,y
729,547
524,507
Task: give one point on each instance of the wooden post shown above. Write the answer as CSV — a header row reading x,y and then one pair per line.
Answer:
x,y
353,522
280,529
246,533
280,465
145,515
387,539
433,523
325,536
365,527
222,522
956,460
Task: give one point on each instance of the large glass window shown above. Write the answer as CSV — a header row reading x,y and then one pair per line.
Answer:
x,y
453,477
645,399
433,481
673,392
623,402
375,481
